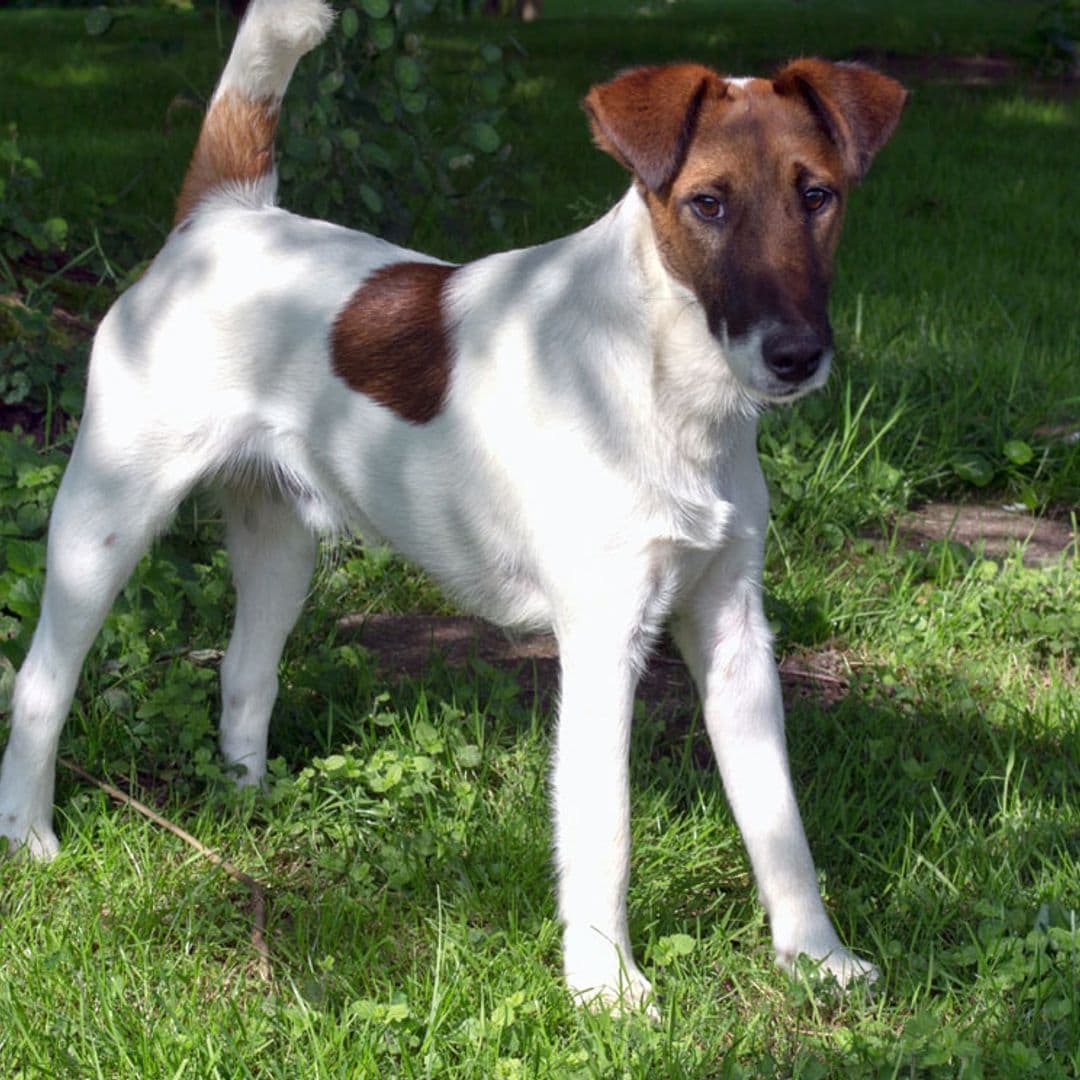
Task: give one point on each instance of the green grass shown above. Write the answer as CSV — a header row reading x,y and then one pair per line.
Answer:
x,y
404,840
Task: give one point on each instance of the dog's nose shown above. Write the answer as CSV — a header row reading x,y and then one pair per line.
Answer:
x,y
793,355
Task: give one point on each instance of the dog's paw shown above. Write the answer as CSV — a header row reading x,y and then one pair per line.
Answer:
x,y
838,963
34,841
601,974
623,992
848,969
244,777
813,937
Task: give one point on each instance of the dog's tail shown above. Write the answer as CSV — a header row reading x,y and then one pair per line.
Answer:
x,y
236,145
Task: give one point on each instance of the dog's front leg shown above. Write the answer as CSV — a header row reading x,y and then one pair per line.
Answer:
x,y
592,818
727,644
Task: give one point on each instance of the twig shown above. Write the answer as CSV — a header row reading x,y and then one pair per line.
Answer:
x,y
258,890
73,322
807,674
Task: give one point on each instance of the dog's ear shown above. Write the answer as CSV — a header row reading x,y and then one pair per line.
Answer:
x,y
645,118
858,107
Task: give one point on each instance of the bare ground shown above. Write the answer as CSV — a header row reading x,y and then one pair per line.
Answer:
x,y
995,529
406,644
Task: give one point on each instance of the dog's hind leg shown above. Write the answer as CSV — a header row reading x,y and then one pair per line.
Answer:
x,y
273,555
103,520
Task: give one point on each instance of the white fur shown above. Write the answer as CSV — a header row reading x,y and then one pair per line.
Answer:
x,y
271,39
593,471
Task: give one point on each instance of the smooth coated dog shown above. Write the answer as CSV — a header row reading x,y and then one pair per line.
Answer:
x,y
563,436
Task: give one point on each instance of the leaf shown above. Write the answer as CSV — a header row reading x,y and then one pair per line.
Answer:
x,y
98,20
831,536
427,736
414,103
350,23
973,468
331,83
407,72
370,198
33,476
1018,451
491,87
377,155
397,1012
376,9
23,557
468,756
681,944
23,598
382,35
386,109
484,137
672,946
56,230
302,148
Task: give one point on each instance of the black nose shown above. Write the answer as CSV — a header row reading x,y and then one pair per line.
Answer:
x,y
793,355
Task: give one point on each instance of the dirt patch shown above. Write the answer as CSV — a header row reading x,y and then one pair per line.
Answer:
x,y
994,529
406,644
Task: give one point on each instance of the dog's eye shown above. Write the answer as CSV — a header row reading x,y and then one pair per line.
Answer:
x,y
707,207
816,198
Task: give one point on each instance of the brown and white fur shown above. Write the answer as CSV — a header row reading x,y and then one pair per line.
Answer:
x,y
563,436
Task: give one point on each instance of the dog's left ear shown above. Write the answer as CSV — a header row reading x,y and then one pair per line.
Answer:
x,y
645,118
858,107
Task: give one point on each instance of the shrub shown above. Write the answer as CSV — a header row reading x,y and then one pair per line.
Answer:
x,y
370,140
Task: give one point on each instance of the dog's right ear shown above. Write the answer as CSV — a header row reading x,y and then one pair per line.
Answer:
x,y
645,118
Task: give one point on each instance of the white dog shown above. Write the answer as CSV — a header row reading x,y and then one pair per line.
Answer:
x,y
563,436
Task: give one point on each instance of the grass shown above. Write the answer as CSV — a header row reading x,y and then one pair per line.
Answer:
x,y
403,838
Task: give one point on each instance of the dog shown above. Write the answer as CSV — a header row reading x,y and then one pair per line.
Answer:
x,y
563,436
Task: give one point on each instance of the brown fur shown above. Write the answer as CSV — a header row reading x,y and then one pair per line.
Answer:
x,y
390,341
645,118
236,144
858,108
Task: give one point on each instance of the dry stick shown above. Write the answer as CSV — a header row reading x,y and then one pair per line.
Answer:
x,y
258,890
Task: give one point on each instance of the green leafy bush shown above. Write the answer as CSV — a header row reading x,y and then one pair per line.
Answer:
x,y
370,141
41,359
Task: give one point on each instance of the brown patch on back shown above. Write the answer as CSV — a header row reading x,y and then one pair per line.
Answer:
x,y
390,340
236,145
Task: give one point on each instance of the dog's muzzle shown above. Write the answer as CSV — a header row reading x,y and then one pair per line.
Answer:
x,y
795,356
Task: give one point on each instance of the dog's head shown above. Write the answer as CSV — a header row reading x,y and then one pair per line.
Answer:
x,y
746,182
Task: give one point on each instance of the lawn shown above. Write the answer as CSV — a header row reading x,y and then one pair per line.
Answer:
x,y
401,850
